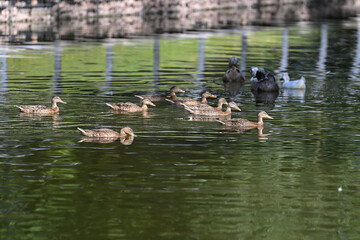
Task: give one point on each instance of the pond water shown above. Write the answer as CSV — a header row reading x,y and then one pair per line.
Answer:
x,y
183,177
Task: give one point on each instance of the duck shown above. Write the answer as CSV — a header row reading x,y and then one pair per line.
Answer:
x,y
193,102
158,97
263,82
221,102
41,109
244,123
214,111
204,96
233,74
298,84
107,133
131,107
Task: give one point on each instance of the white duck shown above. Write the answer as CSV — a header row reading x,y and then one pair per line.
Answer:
x,y
299,84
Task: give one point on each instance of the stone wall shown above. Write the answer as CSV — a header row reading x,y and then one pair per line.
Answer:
x,y
31,20
52,10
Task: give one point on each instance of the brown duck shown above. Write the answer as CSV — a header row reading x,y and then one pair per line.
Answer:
x,y
244,123
204,96
131,107
41,109
214,111
107,133
204,106
233,74
158,97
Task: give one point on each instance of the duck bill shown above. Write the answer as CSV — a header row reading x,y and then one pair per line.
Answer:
x,y
237,108
63,102
213,96
269,117
151,104
181,91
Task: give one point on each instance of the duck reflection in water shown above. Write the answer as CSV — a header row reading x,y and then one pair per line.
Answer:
x,y
125,140
42,116
105,135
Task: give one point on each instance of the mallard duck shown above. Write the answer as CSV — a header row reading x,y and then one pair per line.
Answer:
x,y
158,97
204,96
244,123
107,133
233,74
298,84
214,111
204,106
41,109
131,107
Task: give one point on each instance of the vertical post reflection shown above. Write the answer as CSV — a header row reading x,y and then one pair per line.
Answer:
x,y
355,69
285,50
156,66
109,68
244,45
201,63
57,67
321,67
4,77
323,49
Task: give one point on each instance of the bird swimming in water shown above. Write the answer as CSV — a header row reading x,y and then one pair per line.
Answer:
x,y
298,84
263,82
233,74
158,97
244,123
107,133
41,109
131,107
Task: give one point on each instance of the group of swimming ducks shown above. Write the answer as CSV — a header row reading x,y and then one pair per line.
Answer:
x,y
260,81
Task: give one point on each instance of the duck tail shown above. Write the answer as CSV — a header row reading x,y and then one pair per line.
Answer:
x,y
81,130
141,97
188,109
110,105
220,122
19,107
170,101
303,78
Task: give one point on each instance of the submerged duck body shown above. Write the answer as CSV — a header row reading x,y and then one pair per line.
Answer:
x,y
296,84
41,109
131,107
233,74
263,82
106,132
244,123
158,97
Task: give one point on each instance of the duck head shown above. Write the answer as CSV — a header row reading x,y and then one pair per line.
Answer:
x,y
234,105
176,90
207,94
127,131
57,99
263,114
148,102
233,62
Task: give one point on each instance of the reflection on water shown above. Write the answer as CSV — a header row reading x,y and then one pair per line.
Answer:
x,y
272,181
